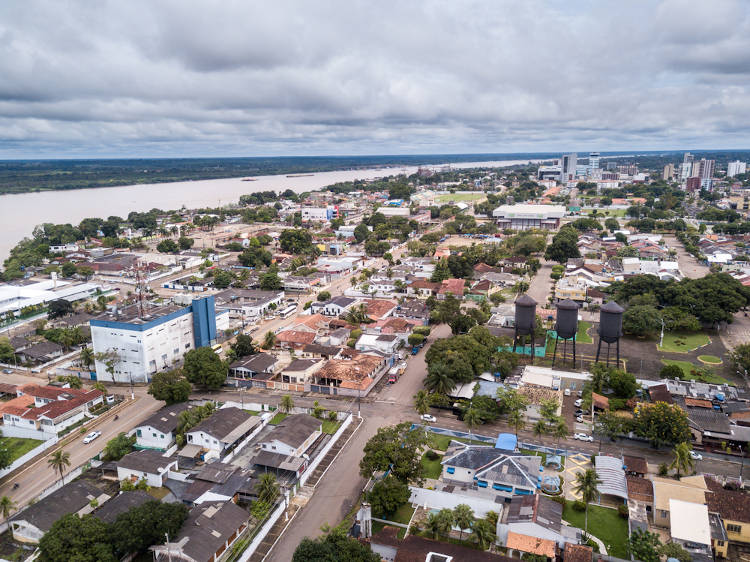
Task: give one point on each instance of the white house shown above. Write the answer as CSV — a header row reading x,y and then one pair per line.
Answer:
x,y
333,307
223,431
293,436
151,466
382,343
159,431
248,303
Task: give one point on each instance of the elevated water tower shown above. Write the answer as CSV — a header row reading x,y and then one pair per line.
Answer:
x,y
566,327
610,328
525,321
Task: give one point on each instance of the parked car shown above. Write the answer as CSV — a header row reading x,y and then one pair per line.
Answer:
x,y
428,418
91,436
8,371
696,456
579,419
579,393
567,392
583,437
578,402
579,412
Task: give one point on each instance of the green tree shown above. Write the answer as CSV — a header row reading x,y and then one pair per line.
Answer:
x,y
415,339
740,358
461,324
86,358
361,233
472,418
83,539
644,546
641,321
483,532
204,367
167,247
516,420
397,448
145,525
334,546
170,386
586,487
388,495
185,243
223,278
438,379
463,518
324,296
440,523
560,430
270,281
422,402
244,346
59,461
269,340
682,462
662,423
674,550
118,447
296,241
7,506
564,246
267,488
7,354
59,308
287,404
68,269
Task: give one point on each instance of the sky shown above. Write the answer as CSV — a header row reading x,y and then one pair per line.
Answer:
x,y
243,78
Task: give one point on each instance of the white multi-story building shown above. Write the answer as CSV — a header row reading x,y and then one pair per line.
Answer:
x,y
312,214
131,347
736,168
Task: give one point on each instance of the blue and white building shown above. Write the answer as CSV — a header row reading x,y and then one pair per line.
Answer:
x,y
137,346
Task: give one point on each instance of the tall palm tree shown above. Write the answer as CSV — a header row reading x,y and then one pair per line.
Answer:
x,y
87,357
434,525
585,485
286,404
439,379
463,517
540,428
516,421
269,340
682,462
422,402
267,489
484,533
472,419
7,506
59,461
559,430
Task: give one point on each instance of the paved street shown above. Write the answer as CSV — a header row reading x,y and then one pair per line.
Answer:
x,y
541,284
689,266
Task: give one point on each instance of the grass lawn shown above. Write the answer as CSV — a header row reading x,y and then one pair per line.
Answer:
x,y
441,442
582,335
277,419
605,524
432,469
403,514
687,366
19,446
710,359
459,197
330,427
535,453
253,412
681,342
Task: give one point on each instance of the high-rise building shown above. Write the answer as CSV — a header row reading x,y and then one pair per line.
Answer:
x,y
686,168
693,184
668,174
736,168
705,169
593,161
568,167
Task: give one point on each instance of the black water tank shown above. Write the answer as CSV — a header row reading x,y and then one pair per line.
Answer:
x,y
610,322
525,314
566,325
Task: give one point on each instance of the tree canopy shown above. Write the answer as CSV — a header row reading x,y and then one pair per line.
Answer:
x,y
170,386
202,366
398,448
564,245
333,547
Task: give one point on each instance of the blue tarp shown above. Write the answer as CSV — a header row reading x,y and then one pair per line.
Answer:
x,y
506,442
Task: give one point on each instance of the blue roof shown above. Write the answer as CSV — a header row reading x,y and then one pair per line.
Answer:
x,y
506,442
487,388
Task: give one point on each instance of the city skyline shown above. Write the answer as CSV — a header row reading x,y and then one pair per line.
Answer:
x,y
138,80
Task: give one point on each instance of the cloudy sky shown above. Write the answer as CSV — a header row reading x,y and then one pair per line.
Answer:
x,y
242,78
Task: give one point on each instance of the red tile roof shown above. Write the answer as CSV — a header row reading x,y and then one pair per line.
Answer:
x,y
454,286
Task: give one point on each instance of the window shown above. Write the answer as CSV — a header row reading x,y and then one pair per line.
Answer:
x,y
138,432
734,528
719,543
450,470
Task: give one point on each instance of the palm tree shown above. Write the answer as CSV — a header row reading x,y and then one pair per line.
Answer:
x,y
682,459
286,404
434,525
540,428
422,402
484,533
59,461
358,315
87,357
7,506
472,418
560,430
516,421
463,517
269,340
267,489
439,379
585,485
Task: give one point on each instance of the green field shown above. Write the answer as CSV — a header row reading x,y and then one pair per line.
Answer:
x,y
680,342
710,359
605,524
456,197
330,427
278,418
582,335
18,446
432,469
687,367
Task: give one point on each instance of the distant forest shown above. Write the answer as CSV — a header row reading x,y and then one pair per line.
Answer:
x,y
20,176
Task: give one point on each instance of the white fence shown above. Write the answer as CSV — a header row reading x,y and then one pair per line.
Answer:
x,y
28,456
324,451
261,535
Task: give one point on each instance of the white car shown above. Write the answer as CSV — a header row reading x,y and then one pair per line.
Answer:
x,y
91,436
578,403
696,456
583,437
579,419
428,418
567,392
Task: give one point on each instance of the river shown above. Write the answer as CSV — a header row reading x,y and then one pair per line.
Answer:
x,y
20,213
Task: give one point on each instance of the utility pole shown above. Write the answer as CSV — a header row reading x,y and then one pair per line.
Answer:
x,y
169,554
